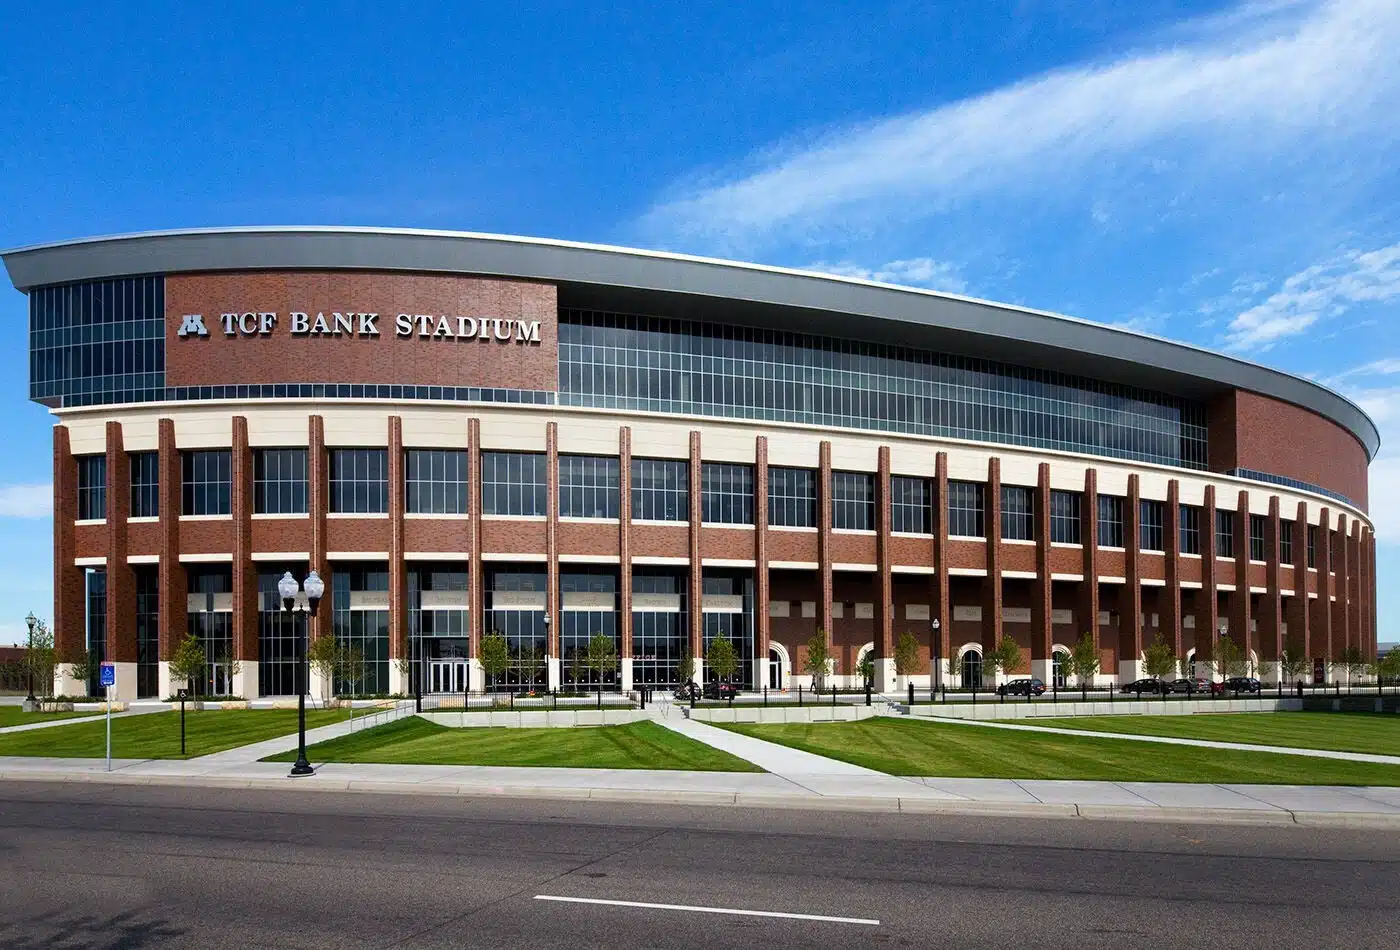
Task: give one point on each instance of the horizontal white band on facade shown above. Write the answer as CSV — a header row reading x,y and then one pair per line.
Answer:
x,y
726,562
578,519
1109,579
966,572
1190,585
844,566
219,603
1015,615
1020,575
89,522
206,517
1152,582
868,532
1194,556
518,600
726,525
722,603
282,516
1067,545
90,561
660,561
1286,592
1258,590
421,516
794,565
967,612
143,559
792,529
369,600
495,556
206,558
144,519
354,515
539,518
656,603
1020,541
861,611
657,523
587,600
589,559
911,569
964,537
1064,577
357,555
436,556
1226,587
920,535
443,600
281,555
1103,547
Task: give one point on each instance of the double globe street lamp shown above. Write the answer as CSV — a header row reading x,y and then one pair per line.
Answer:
x,y
33,622
315,589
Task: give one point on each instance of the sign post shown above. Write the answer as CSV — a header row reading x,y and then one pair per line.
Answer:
x,y
183,694
108,679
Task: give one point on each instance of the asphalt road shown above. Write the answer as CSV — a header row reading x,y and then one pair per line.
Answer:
x,y
129,867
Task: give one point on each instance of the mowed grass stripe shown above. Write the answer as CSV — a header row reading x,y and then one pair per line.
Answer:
x,y
157,735
908,747
16,716
1375,733
416,741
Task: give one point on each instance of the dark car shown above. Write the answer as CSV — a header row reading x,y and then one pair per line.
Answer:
x,y
1186,686
1237,684
1022,687
1144,686
720,691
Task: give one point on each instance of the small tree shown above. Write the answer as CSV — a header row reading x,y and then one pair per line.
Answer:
x,y
404,664
818,660
954,668
685,667
532,661
1387,666
349,668
601,657
323,656
865,669
906,654
494,656
1293,664
40,658
188,663
82,667
1228,659
1084,662
722,658
1004,658
1352,660
230,663
1159,659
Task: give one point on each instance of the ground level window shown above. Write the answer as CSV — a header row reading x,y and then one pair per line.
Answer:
x,y
1059,669
972,670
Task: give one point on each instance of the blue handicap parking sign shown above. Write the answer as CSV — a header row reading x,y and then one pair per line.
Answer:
x,y
108,675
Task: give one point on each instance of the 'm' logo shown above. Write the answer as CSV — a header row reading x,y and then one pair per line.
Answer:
x,y
193,323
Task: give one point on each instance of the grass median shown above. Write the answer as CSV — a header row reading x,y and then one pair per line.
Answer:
x,y
157,735
1375,733
416,741
16,716
905,747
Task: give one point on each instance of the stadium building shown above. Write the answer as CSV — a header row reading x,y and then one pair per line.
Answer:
x,y
470,434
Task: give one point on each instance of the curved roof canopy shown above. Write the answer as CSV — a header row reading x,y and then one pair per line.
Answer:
x,y
664,284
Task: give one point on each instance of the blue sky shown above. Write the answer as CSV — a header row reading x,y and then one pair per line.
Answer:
x,y
1223,174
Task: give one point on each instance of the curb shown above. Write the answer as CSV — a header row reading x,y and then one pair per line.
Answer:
x,y
864,804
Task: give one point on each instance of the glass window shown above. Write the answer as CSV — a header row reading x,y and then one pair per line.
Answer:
x,y
359,481
435,481
1190,532
911,505
1285,542
280,633
279,482
1110,521
853,501
92,487
1256,538
207,482
1064,516
1224,533
1151,516
145,484
362,625
1017,513
726,493
966,509
147,630
589,486
514,483
660,490
1312,545
96,583
792,497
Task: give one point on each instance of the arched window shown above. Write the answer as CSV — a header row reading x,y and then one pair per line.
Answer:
x,y
1059,666
972,670
775,670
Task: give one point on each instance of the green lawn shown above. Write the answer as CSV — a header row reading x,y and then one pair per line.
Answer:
x,y
1377,733
906,747
416,741
16,716
157,735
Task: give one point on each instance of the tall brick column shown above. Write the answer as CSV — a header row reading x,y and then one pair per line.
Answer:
x,y
1341,635
1299,635
1043,587
245,574
551,548
1088,609
763,623
1240,613
398,567
697,579
69,609
1354,572
941,608
172,587
884,616
1130,612
824,611
1320,624
1208,606
318,473
1270,616
1089,538
476,580
1171,544
624,549
121,581
991,584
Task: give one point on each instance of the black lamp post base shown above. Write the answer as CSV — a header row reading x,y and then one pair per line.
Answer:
x,y
302,767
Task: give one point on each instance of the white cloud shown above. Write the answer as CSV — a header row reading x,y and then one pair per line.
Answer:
x,y
26,501
1252,84
1324,290
915,271
1383,406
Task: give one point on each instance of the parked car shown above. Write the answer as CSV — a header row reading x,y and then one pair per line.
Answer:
x,y
720,691
1184,685
1144,686
1237,684
1022,687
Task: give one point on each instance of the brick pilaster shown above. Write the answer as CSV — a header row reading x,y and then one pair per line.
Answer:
x,y
1270,616
1171,543
1130,619
121,582
172,587
991,584
318,473
824,529
551,536
1208,606
69,610
398,568
476,579
245,573
884,619
1320,623
697,580
1299,633
1043,587
941,609
624,541
1240,612
763,623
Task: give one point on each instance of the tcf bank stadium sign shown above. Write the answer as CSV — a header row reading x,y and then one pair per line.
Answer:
x,y
366,325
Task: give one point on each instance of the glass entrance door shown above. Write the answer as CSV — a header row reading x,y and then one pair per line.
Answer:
x,y
220,680
447,676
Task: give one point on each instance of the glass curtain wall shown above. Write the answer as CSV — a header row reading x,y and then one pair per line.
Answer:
x,y
279,632
96,585
438,627
727,611
588,606
660,627
147,630
209,615
515,609
360,618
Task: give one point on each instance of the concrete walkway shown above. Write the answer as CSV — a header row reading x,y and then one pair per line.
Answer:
x,y
72,720
1173,740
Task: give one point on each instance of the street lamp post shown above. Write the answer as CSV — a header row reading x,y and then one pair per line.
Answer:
x,y
287,589
32,621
